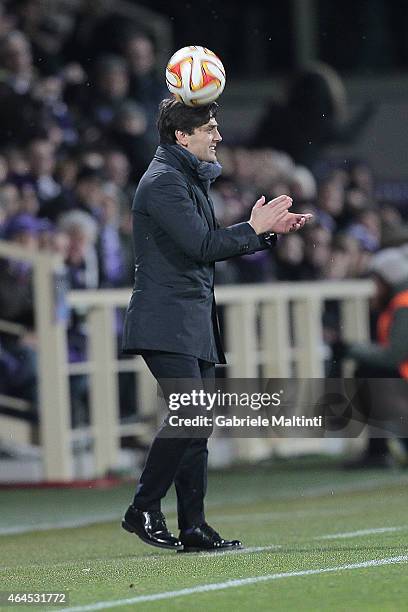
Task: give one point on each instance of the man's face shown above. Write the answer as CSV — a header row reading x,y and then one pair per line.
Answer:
x,y
203,141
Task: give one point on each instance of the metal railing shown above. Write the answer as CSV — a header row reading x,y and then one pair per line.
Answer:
x,y
272,329
258,338
54,420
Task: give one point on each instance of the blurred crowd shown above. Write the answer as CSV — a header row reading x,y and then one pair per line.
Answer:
x,y
349,223
78,98
79,90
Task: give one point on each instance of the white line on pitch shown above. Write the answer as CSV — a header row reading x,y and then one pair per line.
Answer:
x,y
68,524
356,534
229,584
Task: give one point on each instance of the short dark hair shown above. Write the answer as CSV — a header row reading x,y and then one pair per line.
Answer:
x,y
174,115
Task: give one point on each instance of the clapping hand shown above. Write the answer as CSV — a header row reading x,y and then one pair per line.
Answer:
x,y
274,216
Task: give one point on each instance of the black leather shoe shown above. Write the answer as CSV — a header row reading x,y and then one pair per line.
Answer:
x,y
205,537
150,527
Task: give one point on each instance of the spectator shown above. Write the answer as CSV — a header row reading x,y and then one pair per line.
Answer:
x,y
57,117
42,161
387,357
317,253
16,300
77,235
9,202
330,203
289,258
66,173
367,230
86,196
81,261
117,172
111,253
354,260
315,114
110,92
18,69
17,163
145,87
7,21
394,230
117,168
20,114
303,185
17,306
128,133
29,202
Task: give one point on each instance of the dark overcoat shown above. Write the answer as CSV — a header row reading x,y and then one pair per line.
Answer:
x,y
177,241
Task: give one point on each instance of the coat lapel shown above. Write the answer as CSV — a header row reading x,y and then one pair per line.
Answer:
x,y
206,206
181,160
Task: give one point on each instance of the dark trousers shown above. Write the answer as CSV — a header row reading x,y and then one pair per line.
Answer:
x,y
376,446
181,460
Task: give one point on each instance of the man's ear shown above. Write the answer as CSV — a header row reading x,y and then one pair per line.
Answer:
x,y
181,138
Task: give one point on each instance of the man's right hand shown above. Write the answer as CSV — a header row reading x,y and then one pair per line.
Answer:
x,y
274,216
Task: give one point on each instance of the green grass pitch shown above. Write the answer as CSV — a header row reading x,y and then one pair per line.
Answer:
x,y
317,539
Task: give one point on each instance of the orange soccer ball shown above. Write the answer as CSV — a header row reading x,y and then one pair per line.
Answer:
x,y
195,75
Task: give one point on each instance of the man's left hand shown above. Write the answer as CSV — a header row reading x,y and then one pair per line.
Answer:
x,y
291,222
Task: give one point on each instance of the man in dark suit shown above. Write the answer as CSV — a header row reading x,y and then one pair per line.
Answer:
x,y
171,318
